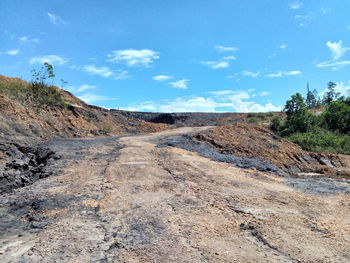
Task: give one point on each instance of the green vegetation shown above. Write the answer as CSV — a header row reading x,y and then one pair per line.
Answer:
x,y
320,140
253,120
260,115
39,92
105,130
327,132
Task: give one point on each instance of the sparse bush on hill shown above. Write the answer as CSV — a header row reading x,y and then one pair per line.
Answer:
x,y
276,124
38,92
260,115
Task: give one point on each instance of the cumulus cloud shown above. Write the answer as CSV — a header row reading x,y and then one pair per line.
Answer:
x,y
134,57
225,49
27,40
280,73
161,78
180,84
12,52
55,19
51,59
230,100
337,49
295,5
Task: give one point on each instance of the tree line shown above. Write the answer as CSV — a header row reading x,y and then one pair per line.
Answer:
x,y
326,128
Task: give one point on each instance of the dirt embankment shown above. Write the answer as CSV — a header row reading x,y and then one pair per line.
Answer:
x,y
246,140
25,123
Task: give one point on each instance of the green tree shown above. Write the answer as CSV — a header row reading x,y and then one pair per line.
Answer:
x,y
331,94
298,117
311,98
337,116
41,76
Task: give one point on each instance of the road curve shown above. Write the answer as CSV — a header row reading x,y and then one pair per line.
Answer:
x,y
125,199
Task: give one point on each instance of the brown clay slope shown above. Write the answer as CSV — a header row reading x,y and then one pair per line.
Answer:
x,y
77,119
247,140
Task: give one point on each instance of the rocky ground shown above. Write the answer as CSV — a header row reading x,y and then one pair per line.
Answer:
x,y
144,199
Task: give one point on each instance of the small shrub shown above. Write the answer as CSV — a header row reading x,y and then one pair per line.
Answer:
x,y
276,124
105,130
253,120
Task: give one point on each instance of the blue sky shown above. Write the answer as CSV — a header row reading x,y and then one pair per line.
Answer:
x,y
180,55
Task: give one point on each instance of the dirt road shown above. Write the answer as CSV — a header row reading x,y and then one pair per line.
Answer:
x,y
127,200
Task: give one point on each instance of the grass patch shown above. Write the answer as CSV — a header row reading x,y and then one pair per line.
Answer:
x,y
34,94
322,141
260,115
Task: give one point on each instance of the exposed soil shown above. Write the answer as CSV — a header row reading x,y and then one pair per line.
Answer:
x,y
253,141
124,199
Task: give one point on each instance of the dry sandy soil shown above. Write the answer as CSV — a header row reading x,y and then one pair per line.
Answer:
x,y
124,199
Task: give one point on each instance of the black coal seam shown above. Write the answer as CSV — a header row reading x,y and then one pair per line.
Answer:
x,y
189,143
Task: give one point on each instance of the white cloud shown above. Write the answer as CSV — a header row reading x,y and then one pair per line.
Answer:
x,y
12,52
229,58
295,5
161,78
324,10
284,73
216,64
348,27
334,65
337,49
303,19
224,100
283,46
225,49
102,71
90,98
122,74
51,59
81,88
264,93
27,40
55,19
246,73
180,84
222,92
134,57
